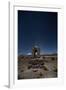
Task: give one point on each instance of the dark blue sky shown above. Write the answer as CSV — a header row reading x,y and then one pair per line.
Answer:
x,y
37,28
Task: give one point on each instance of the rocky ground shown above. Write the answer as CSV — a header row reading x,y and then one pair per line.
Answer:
x,y
29,67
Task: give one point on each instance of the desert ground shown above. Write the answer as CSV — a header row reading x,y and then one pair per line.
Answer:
x,y
40,67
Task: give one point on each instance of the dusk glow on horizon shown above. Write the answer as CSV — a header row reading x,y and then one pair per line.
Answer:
x,y
37,28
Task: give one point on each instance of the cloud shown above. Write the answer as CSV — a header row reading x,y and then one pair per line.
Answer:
x,y
29,53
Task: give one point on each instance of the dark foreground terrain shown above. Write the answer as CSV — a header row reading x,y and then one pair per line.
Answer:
x,y
41,67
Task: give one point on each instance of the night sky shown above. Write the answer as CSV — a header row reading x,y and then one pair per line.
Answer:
x,y
37,29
